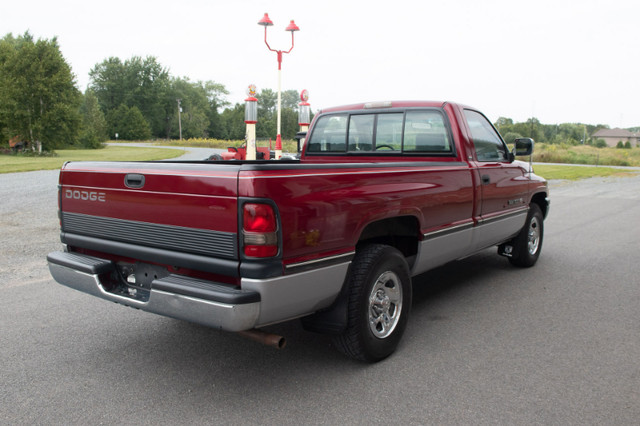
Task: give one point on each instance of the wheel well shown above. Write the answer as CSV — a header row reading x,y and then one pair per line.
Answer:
x,y
541,200
399,232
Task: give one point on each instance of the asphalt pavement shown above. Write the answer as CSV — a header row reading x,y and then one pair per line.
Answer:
x,y
487,343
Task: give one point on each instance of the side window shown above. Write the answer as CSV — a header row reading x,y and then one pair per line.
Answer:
x,y
329,135
389,132
361,133
425,131
489,146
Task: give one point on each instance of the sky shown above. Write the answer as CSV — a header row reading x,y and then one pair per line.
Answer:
x,y
561,61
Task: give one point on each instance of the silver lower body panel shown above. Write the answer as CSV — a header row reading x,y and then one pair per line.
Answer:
x,y
256,303
292,296
441,247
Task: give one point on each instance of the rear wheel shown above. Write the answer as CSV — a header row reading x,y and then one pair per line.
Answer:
x,y
528,244
379,303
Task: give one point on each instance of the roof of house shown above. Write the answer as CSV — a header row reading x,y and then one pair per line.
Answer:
x,y
614,133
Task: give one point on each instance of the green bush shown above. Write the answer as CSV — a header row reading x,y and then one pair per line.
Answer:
x,y
129,123
510,137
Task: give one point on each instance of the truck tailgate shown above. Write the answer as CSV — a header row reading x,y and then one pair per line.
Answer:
x,y
184,207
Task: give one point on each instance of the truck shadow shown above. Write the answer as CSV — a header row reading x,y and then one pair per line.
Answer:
x,y
200,364
456,276
430,289
441,285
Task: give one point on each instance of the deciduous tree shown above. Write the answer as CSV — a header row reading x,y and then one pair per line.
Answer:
x,y
145,84
136,82
94,124
128,123
38,95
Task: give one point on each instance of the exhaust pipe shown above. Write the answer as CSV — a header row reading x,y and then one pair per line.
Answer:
x,y
265,338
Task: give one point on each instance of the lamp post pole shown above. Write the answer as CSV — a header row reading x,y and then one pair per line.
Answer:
x,y
266,22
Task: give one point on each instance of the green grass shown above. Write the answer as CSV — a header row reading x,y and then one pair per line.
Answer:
x,y
585,154
23,163
550,172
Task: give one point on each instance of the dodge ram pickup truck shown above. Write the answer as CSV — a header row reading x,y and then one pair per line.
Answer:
x,y
381,192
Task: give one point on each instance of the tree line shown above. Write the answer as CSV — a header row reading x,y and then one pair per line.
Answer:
x,y
138,99
39,102
135,99
566,133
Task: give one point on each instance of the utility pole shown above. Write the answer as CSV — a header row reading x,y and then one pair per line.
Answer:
x,y
179,118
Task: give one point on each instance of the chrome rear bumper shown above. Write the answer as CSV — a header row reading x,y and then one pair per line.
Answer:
x,y
215,305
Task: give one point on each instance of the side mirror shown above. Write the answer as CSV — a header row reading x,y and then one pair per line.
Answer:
x,y
300,136
524,146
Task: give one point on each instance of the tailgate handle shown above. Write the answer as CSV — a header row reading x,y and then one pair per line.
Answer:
x,y
134,180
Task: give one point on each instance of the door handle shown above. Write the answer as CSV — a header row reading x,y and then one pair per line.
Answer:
x,y
134,180
486,180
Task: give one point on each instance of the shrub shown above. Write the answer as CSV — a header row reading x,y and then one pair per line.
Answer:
x,y
129,123
510,137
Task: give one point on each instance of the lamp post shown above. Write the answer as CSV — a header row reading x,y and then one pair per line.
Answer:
x,y
266,22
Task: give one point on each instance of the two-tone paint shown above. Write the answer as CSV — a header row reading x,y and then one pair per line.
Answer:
x,y
185,218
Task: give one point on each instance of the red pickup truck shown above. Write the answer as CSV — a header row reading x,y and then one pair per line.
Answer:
x,y
381,192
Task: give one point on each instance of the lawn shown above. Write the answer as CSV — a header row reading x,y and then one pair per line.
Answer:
x,y
20,163
552,171
585,154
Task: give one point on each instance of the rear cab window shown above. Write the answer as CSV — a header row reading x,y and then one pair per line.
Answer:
x,y
411,131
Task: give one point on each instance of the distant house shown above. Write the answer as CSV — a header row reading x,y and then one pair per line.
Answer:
x,y
613,136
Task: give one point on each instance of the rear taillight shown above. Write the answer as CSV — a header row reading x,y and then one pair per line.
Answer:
x,y
259,230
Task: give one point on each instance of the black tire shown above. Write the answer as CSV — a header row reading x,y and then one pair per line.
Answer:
x,y
528,244
379,304
215,157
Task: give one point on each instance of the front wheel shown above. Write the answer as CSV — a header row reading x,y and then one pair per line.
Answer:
x,y
528,244
379,303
